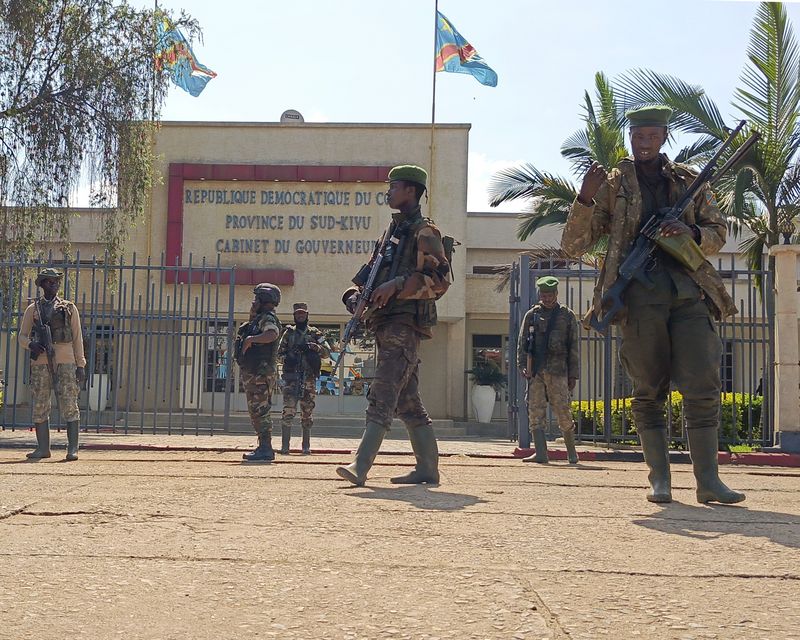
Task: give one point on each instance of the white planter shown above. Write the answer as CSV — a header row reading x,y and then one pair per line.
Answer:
x,y
483,397
98,391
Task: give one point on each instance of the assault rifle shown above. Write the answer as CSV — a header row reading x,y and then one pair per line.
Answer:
x,y
634,267
44,336
365,278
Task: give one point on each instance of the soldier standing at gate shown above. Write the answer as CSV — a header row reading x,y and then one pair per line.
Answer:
x,y
301,350
51,331
256,353
547,356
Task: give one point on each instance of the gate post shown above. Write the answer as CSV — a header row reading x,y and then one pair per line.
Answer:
x,y
787,350
524,303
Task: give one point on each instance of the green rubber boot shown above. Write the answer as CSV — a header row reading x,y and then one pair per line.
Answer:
x,y
569,442
365,456
306,444
703,448
73,429
540,446
286,438
426,450
655,447
42,441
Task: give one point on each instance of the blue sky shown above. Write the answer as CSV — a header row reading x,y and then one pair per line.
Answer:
x,y
371,61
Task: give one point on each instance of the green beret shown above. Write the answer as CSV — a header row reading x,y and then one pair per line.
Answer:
x,y
547,283
55,274
409,173
657,116
300,306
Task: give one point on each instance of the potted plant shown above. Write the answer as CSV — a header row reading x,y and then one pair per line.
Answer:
x,y
487,380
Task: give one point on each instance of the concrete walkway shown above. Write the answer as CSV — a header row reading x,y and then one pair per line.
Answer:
x,y
196,544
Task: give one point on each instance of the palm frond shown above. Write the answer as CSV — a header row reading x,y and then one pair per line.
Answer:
x,y
695,112
514,183
699,151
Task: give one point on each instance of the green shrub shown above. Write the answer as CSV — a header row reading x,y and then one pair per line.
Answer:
x,y
747,414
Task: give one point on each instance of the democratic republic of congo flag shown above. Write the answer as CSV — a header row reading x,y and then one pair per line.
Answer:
x,y
174,53
454,53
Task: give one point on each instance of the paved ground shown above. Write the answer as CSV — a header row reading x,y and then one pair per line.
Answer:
x,y
162,545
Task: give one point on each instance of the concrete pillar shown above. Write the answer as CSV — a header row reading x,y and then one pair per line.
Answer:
x,y
787,348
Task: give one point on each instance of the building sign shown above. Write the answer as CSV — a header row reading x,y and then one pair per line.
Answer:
x,y
274,220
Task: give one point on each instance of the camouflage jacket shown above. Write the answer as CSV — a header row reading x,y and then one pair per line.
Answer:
x,y
423,276
293,337
617,212
559,357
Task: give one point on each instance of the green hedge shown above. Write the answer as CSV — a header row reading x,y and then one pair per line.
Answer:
x,y
748,412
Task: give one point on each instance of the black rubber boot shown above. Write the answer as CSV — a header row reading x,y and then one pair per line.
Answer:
x,y
655,447
42,441
306,444
569,442
540,447
286,438
365,456
426,450
263,452
73,429
703,449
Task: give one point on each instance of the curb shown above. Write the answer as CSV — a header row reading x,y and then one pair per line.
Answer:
x,y
759,459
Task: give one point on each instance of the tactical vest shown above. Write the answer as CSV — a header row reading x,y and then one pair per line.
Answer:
x,y
61,321
259,358
424,311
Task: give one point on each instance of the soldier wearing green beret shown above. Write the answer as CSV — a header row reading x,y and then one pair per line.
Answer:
x,y
547,356
51,331
301,350
401,312
669,333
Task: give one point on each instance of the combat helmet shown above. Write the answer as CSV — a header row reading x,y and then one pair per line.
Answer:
x,y
267,292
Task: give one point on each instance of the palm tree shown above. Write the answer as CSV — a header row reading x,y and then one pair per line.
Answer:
x,y
762,194
601,139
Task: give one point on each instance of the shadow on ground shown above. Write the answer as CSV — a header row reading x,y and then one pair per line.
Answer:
x,y
421,497
714,521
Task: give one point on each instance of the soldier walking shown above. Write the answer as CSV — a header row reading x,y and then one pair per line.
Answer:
x,y
669,333
256,353
301,350
51,331
547,356
402,311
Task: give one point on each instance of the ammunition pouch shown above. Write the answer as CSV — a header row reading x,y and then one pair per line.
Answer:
x,y
682,248
426,314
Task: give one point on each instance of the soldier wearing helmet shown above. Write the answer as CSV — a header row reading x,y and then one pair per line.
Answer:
x,y
256,353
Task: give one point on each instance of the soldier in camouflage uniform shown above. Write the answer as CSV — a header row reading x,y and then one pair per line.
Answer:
x,y
256,353
668,330
402,312
549,335
301,349
67,357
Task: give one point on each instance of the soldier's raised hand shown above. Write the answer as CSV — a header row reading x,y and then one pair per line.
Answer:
x,y
592,181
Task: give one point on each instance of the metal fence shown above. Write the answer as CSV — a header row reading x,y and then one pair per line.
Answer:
x,y
601,402
157,340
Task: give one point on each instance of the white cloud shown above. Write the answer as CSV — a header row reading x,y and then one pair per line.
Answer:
x,y
481,169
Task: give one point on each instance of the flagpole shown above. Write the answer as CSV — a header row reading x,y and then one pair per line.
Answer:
x,y
433,104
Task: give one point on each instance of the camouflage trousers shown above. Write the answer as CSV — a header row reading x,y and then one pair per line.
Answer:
x,y
544,387
395,389
258,390
290,400
67,390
